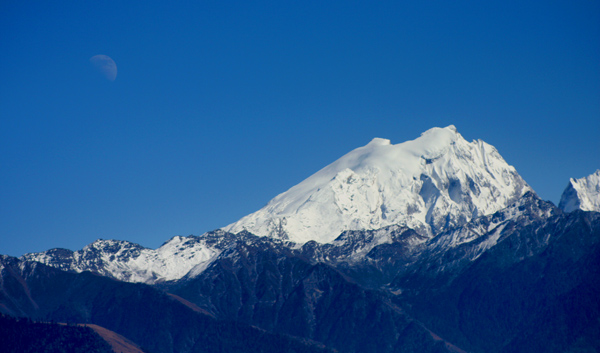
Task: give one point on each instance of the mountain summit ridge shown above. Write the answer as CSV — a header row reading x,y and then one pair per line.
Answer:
x,y
432,183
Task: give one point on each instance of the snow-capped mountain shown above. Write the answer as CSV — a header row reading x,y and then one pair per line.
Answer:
x,y
388,249
583,193
430,184
131,262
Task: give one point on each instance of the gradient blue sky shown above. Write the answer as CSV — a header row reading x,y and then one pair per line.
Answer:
x,y
218,106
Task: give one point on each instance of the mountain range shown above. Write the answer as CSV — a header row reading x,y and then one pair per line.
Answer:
x,y
431,245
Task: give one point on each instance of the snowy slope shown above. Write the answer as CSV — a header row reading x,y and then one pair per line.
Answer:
x,y
582,194
131,262
432,183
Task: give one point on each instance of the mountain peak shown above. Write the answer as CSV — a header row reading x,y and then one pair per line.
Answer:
x,y
434,182
583,193
379,142
448,130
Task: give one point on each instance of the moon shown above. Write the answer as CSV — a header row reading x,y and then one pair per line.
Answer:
x,y
105,65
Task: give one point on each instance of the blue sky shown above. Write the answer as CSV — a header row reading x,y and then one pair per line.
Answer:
x,y
218,106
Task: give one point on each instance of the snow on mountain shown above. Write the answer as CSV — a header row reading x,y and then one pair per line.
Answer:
x,y
131,262
405,194
582,194
447,249
471,240
432,183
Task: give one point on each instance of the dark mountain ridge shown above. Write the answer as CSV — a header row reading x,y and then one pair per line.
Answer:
x,y
145,315
499,283
22,335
